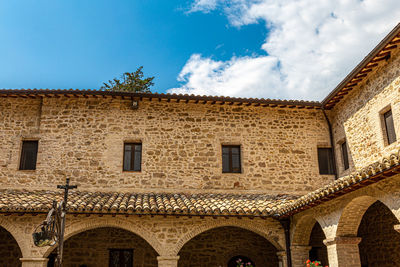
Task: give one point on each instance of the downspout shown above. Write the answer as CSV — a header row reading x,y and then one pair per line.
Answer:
x,y
332,143
286,227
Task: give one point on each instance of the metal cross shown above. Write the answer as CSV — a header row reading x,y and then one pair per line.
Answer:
x,y
63,212
66,187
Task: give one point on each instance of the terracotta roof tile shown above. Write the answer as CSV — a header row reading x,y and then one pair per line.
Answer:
x,y
168,96
382,169
144,203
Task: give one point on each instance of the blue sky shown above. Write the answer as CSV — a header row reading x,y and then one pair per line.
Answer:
x,y
80,44
287,49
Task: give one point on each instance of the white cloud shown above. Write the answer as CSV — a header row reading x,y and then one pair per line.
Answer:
x,y
311,47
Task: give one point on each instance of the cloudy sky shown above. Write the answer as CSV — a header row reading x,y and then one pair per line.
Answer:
x,y
288,49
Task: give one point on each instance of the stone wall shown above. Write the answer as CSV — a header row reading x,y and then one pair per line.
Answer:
x,y
83,138
9,250
91,248
380,243
358,117
216,247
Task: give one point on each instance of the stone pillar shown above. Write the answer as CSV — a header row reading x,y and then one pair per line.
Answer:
x,y
300,254
397,227
34,262
282,258
168,261
343,251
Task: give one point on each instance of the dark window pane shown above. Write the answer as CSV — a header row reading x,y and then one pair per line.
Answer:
x,y
127,157
132,157
138,157
345,156
225,160
235,162
325,161
235,150
389,124
231,159
28,155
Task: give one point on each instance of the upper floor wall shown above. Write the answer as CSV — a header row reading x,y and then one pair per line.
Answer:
x,y
358,118
83,138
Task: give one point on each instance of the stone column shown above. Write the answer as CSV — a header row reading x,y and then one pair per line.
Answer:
x,y
299,255
343,251
168,261
282,258
397,227
34,262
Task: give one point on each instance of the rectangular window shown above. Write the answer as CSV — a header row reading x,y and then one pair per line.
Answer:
x,y
28,155
325,161
231,159
345,156
389,126
120,258
132,156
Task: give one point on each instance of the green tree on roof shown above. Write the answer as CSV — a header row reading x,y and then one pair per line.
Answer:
x,y
130,82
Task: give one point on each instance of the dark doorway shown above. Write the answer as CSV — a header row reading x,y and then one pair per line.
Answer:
x,y
234,261
215,247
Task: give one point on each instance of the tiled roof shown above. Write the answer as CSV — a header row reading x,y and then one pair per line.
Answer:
x,y
31,93
144,203
254,205
385,168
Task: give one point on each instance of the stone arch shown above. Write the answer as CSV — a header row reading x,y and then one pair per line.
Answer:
x,y
376,231
352,214
17,234
246,225
93,223
302,230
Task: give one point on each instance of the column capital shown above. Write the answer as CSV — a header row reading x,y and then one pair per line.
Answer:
x,y
342,240
165,258
168,261
397,227
281,253
282,259
34,262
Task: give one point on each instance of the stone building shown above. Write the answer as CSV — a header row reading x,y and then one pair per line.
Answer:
x,y
177,180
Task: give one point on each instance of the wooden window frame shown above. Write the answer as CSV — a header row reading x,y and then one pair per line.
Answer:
x,y
230,158
22,160
133,158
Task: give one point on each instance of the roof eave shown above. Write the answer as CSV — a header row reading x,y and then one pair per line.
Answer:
x,y
395,31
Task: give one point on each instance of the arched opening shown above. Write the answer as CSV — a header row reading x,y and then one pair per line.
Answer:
x,y
218,246
380,243
108,247
10,252
318,251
